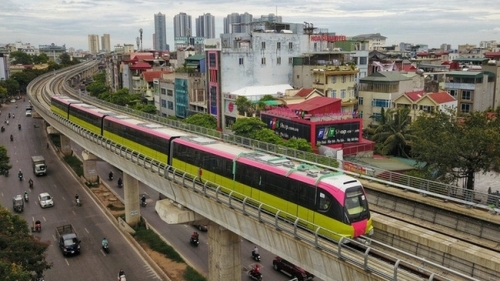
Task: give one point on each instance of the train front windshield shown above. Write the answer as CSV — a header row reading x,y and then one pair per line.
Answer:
x,y
356,204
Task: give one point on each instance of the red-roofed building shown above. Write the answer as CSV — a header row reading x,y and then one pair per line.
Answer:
x,y
421,102
320,121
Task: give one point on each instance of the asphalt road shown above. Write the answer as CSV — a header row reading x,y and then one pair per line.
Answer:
x,y
89,220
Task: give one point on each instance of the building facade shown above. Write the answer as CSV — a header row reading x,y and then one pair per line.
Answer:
x,y
4,67
375,41
160,36
93,42
106,43
205,26
53,51
474,90
182,25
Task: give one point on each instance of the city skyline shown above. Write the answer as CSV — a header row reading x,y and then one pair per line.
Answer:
x,y
426,22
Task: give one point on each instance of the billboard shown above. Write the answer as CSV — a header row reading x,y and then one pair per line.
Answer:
x,y
337,133
287,129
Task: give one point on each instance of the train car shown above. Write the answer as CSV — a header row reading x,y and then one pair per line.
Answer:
x,y
331,200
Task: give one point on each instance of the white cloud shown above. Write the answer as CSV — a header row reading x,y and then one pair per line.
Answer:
x,y
424,21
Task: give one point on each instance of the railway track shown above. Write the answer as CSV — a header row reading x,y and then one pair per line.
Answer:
x,y
413,266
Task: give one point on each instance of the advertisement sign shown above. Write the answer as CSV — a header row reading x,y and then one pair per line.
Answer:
x,y
328,38
337,133
287,129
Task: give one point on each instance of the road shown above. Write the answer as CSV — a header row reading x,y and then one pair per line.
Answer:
x,y
89,220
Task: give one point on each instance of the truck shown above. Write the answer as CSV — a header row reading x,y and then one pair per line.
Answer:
x,y
68,240
39,166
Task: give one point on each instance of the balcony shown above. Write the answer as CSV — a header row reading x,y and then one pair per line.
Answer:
x,y
330,70
462,86
349,102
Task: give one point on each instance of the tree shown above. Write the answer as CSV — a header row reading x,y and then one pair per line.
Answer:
x,y
269,136
40,59
19,57
22,255
248,127
3,92
458,147
299,144
100,77
97,88
393,133
67,60
242,104
202,120
11,85
148,108
4,159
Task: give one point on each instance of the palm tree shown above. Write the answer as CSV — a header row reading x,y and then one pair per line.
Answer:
x,y
393,133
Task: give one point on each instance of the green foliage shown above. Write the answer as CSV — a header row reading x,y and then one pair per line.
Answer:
x,y
53,66
156,243
457,147
193,275
3,92
66,60
248,127
56,140
95,89
4,159
148,108
242,104
19,57
299,144
202,120
393,134
11,85
100,77
40,59
22,256
269,136
75,164
121,97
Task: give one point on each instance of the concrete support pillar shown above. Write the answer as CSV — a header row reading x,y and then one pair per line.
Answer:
x,y
224,254
131,194
90,166
65,145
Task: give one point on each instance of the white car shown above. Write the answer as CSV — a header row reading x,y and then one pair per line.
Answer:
x,y
45,200
28,112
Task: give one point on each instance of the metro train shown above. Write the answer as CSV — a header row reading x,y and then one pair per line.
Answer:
x,y
332,200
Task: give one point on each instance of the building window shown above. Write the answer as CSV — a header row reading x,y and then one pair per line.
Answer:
x,y
263,45
363,60
290,61
381,103
290,46
170,93
343,78
333,79
278,60
212,60
453,93
466,95
376,117
334,93
466,107
278,45
426,108
240,61
360,101
163,103
342,94
263,61
171,105
163,91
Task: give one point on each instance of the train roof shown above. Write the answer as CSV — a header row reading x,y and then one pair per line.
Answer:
x,y
66,99
278,164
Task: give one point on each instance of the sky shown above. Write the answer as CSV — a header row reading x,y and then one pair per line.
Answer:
x,y
69,22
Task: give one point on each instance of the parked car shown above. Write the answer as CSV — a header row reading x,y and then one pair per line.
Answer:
x,y
291,270
45,200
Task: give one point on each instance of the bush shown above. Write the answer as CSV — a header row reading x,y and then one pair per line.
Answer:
x,y
193,275
156,243
75,164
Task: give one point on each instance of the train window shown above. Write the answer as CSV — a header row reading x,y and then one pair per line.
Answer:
x,y
356,204
304,193
324,201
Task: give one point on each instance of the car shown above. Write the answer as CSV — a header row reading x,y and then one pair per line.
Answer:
x,y
13,100
28,112
45,200
291,270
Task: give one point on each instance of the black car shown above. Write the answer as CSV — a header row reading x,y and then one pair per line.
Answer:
x,y
291,270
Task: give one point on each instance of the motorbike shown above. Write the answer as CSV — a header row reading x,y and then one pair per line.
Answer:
x,y
31,184
120,183
3,129
11,138
122,278
105,248
255,256
19,127
255,275
20,175
78,202
38,226
194,241
26,199
110,176
143,202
